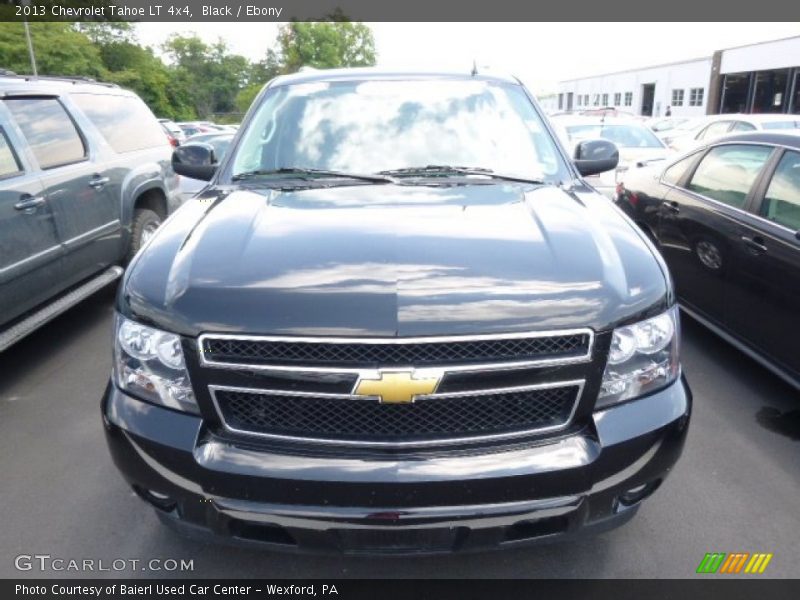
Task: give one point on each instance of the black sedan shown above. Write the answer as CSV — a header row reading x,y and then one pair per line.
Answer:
x,y
726,218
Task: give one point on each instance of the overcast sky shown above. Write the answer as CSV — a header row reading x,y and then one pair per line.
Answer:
x,y
541,54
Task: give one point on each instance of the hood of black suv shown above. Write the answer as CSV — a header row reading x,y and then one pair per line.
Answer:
x,y
394,260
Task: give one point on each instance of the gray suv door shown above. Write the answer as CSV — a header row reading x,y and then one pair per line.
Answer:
x,y
76,185
30,254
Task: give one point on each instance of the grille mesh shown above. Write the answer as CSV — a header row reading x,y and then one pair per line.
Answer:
x,y
368,420
288,353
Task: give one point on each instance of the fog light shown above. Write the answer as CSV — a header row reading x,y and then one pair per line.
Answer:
x,y
638,493
157,499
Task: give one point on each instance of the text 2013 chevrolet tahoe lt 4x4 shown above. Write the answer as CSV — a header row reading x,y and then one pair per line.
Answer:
x,y
398,320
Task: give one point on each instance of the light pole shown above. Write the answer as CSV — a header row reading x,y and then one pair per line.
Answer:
x,y
27,3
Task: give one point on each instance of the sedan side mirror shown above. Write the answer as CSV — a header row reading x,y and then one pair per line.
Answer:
x,y
195,160
596,156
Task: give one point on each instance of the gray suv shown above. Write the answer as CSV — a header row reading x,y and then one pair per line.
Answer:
x,y
85,180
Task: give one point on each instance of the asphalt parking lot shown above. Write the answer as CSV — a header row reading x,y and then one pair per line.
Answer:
x,y
736,487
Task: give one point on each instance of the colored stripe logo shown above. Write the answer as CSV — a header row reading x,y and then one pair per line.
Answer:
x,y
734,563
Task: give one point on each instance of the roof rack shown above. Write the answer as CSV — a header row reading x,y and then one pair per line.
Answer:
x,y
74,79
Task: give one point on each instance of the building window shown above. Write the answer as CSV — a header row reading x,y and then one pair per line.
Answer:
x,y
586,99
605,100
617,99
597,99
628,98
696,96
769,94
677,97
560,101
735,91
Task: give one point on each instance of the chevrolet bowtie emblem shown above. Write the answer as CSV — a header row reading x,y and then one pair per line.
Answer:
x,y
396,387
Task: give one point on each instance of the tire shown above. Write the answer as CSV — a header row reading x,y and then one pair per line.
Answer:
x,y
145,222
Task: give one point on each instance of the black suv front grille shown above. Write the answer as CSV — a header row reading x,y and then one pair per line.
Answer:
x,y
368,421
287,352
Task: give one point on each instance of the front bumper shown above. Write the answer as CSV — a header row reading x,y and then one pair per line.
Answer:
x,y
586,481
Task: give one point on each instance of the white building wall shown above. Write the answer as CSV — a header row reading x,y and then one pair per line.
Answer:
x,y
685,76
548,102
779,54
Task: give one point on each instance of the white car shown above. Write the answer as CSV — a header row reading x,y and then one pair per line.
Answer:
x,y
665,126
702,131
638,145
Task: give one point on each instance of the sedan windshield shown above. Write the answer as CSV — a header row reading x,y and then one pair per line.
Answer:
x,y
369,127
782,125
624,136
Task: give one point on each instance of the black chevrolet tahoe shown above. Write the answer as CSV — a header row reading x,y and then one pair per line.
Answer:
x,y
397,320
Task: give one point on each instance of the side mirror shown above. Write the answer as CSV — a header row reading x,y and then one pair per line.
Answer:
x,y
195,160
596,156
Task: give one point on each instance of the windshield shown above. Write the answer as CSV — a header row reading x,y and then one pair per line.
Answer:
x,y
624,136
781,125
690,124
372,126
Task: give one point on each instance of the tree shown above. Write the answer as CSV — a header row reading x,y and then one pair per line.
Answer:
x,y
324,45
107,32
59,48
264,70
200,79
246,96
210,74
134,67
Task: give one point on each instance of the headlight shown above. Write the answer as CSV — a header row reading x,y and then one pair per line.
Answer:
x,y
149,364
643,358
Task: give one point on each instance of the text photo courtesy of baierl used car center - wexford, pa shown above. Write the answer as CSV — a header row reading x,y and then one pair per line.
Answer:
x,y
344,300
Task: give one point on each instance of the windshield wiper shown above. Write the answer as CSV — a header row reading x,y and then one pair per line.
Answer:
x,y
303,173
448,169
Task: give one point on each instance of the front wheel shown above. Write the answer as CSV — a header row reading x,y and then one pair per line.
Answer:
x,y
145,223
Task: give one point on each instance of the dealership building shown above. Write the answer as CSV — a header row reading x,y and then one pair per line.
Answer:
x,y
758,78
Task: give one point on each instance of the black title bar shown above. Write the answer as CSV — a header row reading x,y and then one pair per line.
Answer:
x,y
704,586
403,10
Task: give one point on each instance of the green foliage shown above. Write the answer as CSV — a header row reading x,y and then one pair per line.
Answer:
x,y
60,50
199,79
246,96
107,32
138,69
324,45
211,75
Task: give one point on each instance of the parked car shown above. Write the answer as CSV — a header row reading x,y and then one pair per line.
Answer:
x,y
637,145
727,219
85,180
692,124
192,128
397,320
608,111
710,128
174,133
664,126
219,143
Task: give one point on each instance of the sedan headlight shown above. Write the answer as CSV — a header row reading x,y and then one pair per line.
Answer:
x,y
643,358
149,364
